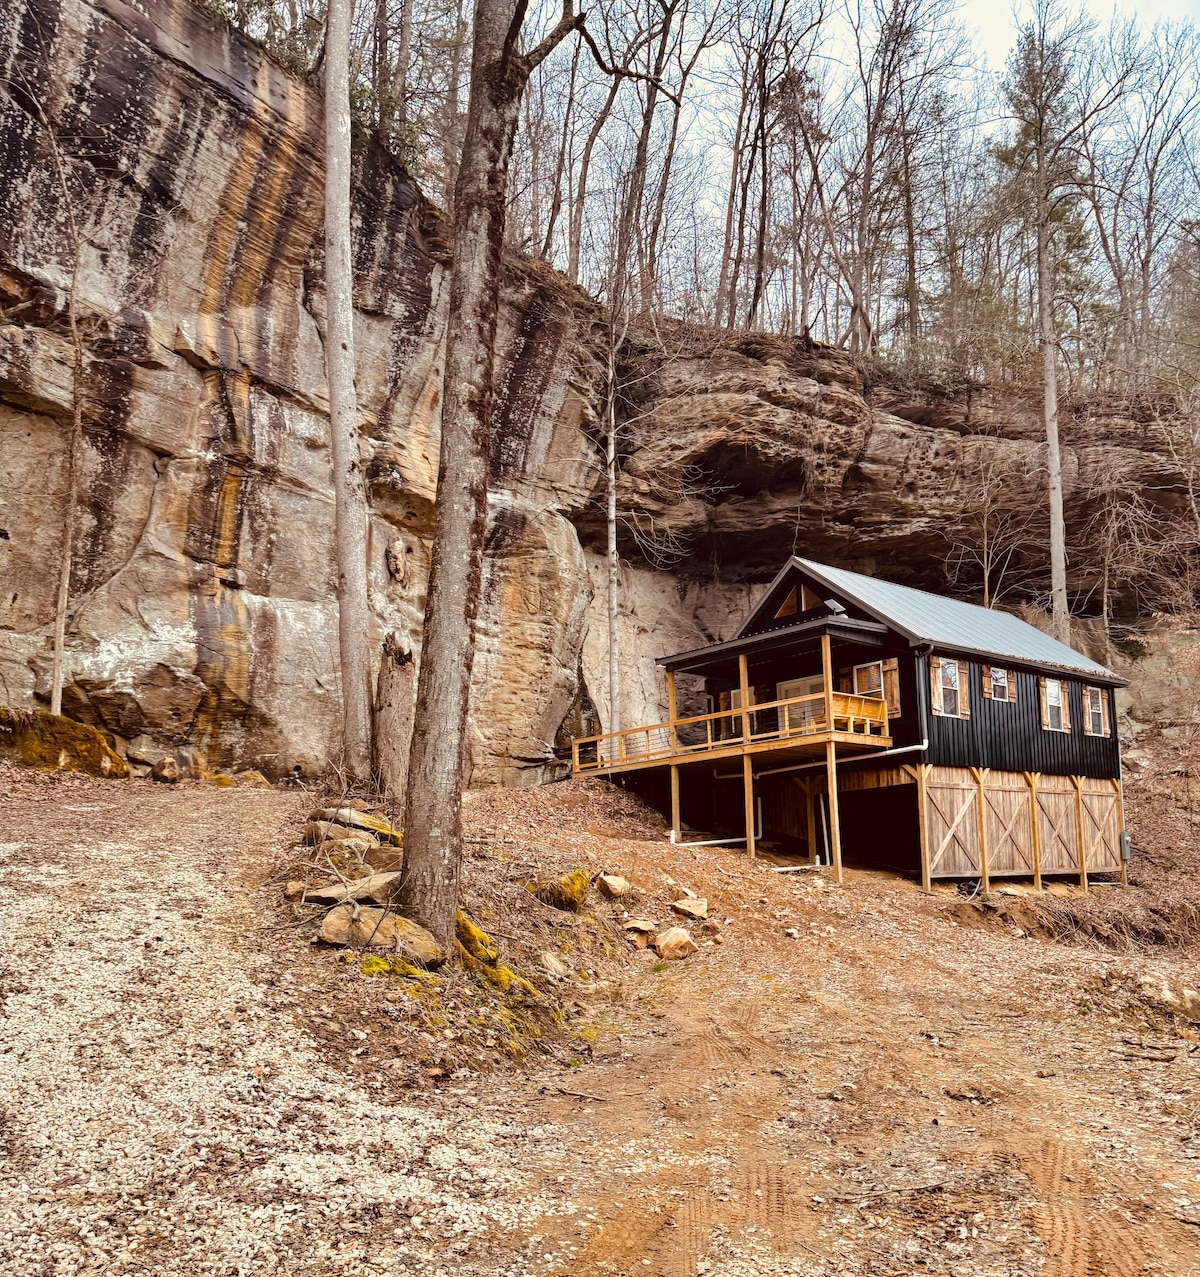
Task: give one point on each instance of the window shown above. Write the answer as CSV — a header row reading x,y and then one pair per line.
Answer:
x,y
999,684
1056,705
1095,712
868,679
949,687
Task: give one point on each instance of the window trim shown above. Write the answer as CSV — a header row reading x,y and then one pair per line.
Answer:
x,y
1010,684
1101,701
1064,705
868,665
962,686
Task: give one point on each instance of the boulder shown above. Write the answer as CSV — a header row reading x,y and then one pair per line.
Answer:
x,y
614,886
675,943
53,743
166,770
380,929
374,889
691,907
352,818
1171,995
143,750
185,763
252,779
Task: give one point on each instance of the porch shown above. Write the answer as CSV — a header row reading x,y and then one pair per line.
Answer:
x,y
821,722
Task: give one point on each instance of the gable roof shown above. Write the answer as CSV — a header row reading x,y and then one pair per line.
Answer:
x,y
944,623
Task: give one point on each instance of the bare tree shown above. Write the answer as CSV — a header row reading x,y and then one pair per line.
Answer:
x,y
433,799
1058,88
349,485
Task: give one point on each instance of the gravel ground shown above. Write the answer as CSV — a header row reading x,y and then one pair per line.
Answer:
x,y
861,1080
163,1108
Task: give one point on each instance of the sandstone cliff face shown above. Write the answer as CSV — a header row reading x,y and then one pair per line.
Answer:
x,y
747,448
204,596
204,588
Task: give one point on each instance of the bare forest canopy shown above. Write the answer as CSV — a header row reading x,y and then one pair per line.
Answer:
x,y
842,167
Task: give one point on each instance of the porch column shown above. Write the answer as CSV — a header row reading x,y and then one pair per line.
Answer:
x,y
827,679
676,826
835,829
748,786
810,820
672,712
744,680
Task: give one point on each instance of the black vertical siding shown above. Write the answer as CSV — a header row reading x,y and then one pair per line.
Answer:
x,y
1009,735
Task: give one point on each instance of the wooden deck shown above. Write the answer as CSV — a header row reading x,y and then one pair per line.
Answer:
x,y
799,727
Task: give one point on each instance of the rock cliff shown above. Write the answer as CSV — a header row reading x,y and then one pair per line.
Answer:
x,y
159,168
203,595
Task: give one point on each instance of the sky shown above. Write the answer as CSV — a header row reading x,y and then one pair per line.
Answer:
x,y
991,26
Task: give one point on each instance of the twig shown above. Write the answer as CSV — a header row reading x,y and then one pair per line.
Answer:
x,y
583,1095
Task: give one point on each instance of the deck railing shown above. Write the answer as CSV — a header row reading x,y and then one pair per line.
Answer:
x,y
797,716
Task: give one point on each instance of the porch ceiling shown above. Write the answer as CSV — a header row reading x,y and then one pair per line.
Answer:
x,y
719,659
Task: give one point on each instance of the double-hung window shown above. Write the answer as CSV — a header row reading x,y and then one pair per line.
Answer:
x,y
1056,705
1095,711
950,687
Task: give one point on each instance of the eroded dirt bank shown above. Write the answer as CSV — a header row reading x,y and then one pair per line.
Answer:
x,y
188,1087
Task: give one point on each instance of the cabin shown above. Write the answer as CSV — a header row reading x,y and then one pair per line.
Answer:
x,y
854,721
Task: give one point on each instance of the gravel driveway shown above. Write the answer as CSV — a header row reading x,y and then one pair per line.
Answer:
x,y
163,1108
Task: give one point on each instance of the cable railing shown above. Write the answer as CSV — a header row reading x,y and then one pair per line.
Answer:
x,y
796,716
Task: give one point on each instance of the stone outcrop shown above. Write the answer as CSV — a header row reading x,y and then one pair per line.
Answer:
x,y
204,604
204,593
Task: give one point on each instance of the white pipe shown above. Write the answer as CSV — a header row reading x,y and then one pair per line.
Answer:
x,y
711,842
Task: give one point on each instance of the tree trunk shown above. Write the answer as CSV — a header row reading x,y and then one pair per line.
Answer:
x,y
1060,613
614,557
349,487
395,698
437,763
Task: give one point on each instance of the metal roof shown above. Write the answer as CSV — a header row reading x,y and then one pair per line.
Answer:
x,y
950,624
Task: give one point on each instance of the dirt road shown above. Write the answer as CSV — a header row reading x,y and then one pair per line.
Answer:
x,y
182,1091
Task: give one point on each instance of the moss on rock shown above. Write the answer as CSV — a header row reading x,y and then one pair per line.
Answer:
x,y
52,743
568,893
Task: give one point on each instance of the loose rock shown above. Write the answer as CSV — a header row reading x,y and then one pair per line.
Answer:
x,y
552,963
352,818
614,886
319,831
675,943
376,888
165,770
691,907
380,929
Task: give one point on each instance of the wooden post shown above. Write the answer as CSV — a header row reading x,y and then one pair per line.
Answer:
x,y
1121,832
672,712
811,819
744,679
827,679
1077,781
922,772
676,827
981,790
748,786
835,831
1035,830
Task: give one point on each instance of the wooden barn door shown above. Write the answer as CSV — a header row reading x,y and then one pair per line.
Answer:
x,y
1058,829
952,813
1101,825
1009,815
